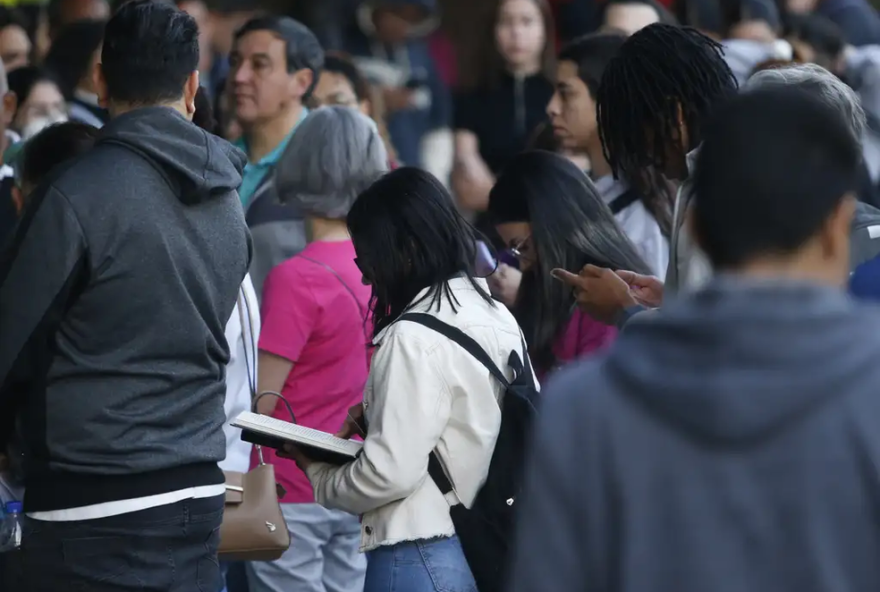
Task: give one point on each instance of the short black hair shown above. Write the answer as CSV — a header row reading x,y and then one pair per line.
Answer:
x,y
340,63
150,49
71,53
303,50
53,146
663,13
773,166
592,53
657,70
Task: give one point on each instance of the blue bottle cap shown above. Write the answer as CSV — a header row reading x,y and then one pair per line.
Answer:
x,y
14,507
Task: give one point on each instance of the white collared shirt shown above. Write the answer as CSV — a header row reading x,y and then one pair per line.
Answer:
x,y
638,224
241,372
424,392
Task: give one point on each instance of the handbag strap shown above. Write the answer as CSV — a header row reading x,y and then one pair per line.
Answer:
x,y
341,281
244,312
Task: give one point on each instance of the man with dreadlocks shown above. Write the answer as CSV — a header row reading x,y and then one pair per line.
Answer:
x,y
654,99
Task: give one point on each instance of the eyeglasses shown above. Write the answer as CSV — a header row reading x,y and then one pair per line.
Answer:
x,y
521,249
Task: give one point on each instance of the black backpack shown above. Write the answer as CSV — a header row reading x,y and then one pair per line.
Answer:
x,y
486,529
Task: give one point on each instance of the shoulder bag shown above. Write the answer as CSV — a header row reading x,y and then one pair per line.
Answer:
x,y
253,526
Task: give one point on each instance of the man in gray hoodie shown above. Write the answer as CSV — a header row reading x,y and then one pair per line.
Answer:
x,y
114,296
728,442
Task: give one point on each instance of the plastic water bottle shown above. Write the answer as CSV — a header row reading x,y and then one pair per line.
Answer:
x,y
10,528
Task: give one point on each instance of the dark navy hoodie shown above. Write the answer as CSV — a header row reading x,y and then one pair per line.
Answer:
x,y
727,443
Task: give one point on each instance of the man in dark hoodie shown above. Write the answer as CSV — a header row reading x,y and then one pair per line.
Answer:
x,y
114,296
728,442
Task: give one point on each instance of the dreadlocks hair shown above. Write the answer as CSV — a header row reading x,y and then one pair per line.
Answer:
x,y
657,70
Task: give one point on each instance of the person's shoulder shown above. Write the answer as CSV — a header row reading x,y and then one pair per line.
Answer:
x,y
294,270
580,389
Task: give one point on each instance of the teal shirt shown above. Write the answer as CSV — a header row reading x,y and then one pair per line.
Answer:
x,y
254,172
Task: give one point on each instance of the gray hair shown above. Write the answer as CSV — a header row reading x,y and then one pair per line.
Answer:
x,y
819,82
334,155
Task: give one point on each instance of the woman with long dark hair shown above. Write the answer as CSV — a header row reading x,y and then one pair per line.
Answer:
x,y
550,215
425,394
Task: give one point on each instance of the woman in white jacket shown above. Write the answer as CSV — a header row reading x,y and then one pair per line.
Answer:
x,y
424,395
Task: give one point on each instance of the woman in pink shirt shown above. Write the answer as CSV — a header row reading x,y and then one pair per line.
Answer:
x,y
550,215
313,344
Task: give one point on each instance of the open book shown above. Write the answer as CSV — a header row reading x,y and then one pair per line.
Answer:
x,y
274,433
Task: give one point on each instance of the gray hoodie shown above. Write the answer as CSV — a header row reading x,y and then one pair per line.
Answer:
x,y
114,297
729,443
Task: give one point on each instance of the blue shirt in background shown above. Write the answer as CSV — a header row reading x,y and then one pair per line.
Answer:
x,y
865,280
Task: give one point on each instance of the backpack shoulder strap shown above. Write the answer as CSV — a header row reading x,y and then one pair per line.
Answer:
x,y
623,201
435,468
461,338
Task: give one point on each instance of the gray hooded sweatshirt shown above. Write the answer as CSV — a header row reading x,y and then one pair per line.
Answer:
x,y
728,443
114,297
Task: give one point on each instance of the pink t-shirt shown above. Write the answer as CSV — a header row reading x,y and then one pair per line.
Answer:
x,y
311,318
582,336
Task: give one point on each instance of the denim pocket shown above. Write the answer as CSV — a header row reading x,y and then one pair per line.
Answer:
x,y
445,563
94,563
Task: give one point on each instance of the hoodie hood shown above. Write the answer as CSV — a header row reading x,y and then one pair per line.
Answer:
x,y
201,164
742,359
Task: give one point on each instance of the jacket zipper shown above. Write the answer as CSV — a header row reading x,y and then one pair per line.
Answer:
x,y
520,104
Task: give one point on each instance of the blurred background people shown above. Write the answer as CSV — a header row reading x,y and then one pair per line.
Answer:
x,y
495,119
388,42
39,101
75,51
8,211
274,67
550,216
16,46
47,149
61,13
341,83
628,16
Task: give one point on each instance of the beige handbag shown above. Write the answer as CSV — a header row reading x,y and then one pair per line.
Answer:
x,y
253,526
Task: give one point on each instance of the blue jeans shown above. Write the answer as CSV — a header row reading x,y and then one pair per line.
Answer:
x,y
435,565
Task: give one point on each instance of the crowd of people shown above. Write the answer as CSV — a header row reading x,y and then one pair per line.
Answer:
x,y
621,265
